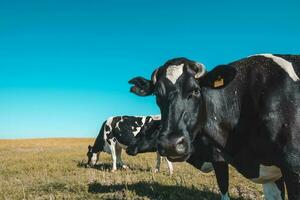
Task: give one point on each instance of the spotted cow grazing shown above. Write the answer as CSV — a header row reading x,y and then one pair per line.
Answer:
x,y
248,110
118,133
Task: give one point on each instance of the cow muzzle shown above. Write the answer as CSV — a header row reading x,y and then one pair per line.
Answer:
x,y
174,148
132,151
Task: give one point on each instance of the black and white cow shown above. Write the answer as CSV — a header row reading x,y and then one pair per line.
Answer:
x,y
118,133
248,109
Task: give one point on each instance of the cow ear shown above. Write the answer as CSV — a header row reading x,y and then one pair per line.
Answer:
x,y
89,147
219,77
141,86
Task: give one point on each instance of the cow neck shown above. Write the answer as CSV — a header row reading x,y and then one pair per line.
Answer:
x,y
215,134
216,138
99,144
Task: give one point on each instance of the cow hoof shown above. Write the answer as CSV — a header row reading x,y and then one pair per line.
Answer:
x,y
125,167
113,170
156,171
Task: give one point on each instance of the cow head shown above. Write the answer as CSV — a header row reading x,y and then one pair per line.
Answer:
x,y
178,86
92,157
146,140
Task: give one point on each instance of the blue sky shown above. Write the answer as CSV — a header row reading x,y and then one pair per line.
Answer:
x,y
64,65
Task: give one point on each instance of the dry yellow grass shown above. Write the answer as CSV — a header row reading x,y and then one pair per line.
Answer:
x,y
53,169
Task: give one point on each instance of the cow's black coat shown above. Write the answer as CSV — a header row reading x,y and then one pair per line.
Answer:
x,y
248,109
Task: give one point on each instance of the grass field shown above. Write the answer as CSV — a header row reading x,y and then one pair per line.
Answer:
x,y
54,169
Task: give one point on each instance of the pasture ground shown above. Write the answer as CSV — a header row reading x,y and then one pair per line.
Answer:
x,y
54,169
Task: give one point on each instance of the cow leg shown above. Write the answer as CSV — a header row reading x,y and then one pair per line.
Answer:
x,y
158,161
292,181
271,191
290,169
119,159
113,156
170,166
98,158
222,175
280,185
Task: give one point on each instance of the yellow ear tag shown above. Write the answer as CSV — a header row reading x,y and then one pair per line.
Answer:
x,y
219,83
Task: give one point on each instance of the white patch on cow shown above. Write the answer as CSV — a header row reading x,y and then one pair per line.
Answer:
x,y
108,123
225,196
156,117
138,129
94,159
113,154
206,167
267,174
143,121
117,125
174,72
284,64
271,191
106,147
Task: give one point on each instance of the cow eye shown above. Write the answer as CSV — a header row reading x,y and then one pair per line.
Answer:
x,y
196,92
193,93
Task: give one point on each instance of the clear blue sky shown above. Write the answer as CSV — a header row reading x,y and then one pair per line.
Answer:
x,y
64,65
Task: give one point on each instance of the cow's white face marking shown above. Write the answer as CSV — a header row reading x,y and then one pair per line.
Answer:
x,y
174,72
284,64
271,191
267,174
207,167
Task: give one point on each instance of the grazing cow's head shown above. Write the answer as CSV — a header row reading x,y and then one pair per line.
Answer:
x,y
178,87
146,140
92,157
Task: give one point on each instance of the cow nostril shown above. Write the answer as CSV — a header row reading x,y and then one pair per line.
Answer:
x,y
180,145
